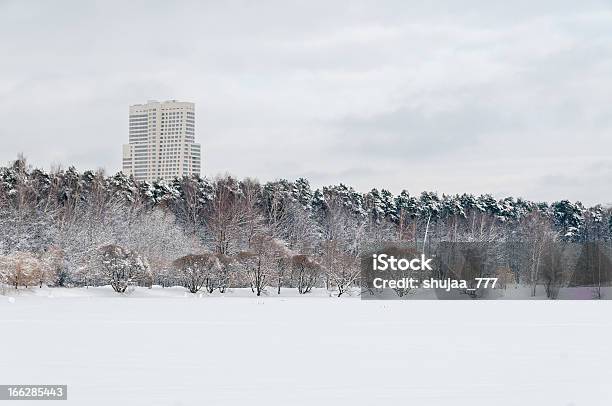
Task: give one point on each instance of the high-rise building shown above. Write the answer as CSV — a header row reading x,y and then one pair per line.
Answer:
x,y
162,141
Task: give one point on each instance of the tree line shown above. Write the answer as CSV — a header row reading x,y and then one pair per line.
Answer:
x,y
66,228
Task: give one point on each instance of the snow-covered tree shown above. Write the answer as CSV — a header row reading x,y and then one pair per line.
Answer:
x,y
306,272
75,213
121,268
19,269
568,217
260,261
198,271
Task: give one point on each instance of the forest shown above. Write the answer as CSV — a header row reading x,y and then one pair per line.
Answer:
x,y
66,228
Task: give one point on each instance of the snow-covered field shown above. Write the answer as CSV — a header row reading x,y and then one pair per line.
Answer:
x,y
165,347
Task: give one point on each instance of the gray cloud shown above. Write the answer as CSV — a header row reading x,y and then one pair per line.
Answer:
x,y
586,186
508,98
413,134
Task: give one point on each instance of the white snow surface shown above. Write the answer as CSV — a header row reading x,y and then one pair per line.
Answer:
x,y
164,346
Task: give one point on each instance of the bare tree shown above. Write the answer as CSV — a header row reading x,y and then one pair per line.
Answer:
x,y
307,272
539,235
121,267
223,215
505,277
341,268
552,268
156,234
51,265
225,274
198,271
260,261
593,268
19,269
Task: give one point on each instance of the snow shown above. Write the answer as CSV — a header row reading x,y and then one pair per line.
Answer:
x,y
169,347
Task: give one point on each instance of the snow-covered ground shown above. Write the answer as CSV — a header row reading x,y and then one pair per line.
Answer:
x,y
166,347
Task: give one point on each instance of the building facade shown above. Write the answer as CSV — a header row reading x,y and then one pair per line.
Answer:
x,y
162,141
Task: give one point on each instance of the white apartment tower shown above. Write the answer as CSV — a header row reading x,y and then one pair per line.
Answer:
x,y
162,141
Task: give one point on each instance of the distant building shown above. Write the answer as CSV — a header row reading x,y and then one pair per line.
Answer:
x,y
162,141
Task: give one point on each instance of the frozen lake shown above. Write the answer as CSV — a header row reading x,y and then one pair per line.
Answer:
x,y
162,347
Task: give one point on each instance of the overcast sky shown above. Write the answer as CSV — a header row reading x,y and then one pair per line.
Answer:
x,y
510,98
